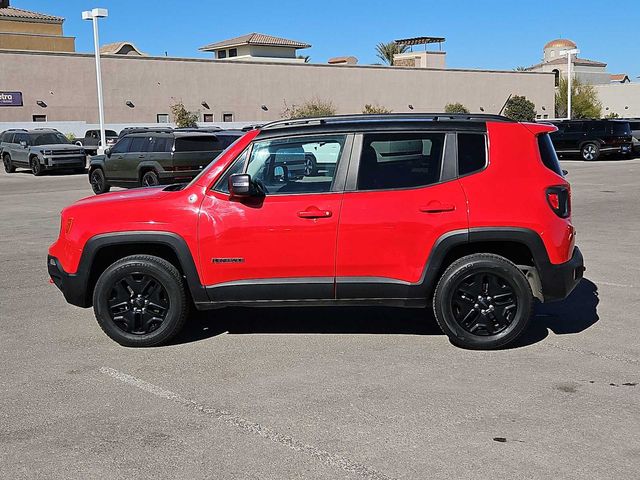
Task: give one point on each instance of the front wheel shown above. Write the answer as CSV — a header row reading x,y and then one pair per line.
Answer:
x,y
140,301
9,167
36,167
590,151
150,179
98,182
483,301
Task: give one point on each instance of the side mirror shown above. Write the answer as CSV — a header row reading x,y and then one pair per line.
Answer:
x,y
107,152
23,144
240,185
565,173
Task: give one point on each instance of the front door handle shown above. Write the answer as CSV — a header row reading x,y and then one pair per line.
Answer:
x,y
141,156
314,212
437,207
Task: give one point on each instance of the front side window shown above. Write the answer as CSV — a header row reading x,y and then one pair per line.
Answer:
x,y
400,160
292,165
22,137
472,153
122,146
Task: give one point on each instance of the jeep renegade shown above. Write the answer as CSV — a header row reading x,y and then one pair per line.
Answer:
x,y
468,214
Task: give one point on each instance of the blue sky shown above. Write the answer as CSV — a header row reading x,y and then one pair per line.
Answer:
x,y
490,34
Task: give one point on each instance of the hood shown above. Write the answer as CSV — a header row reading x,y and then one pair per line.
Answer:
x,y
136,195
58,146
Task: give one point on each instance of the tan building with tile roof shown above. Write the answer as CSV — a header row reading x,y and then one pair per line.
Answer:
x,y
26,30
256,46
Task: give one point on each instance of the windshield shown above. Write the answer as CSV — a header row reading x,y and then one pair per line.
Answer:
x,y
52,138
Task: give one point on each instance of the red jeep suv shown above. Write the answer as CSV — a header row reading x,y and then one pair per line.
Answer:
x,y
467,213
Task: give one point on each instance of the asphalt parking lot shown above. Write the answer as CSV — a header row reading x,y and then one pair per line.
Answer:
x,y
354,393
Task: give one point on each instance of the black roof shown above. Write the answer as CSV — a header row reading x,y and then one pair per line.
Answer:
x,y
388,121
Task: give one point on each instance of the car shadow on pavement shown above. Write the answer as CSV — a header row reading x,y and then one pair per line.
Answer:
x,y
573,315
576,313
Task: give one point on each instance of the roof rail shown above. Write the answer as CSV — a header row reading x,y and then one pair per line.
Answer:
x,y
386,117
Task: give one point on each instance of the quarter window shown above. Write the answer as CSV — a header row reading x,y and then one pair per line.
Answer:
x,y
400,160
472,153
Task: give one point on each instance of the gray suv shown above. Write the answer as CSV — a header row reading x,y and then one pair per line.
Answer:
x,y
39,150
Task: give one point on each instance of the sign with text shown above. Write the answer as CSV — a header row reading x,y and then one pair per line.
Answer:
x,y
10,99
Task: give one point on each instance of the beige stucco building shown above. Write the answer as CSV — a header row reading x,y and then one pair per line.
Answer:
x,y
26,30
62,87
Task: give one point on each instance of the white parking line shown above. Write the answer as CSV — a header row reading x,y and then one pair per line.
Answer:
x,y
611,284
327,458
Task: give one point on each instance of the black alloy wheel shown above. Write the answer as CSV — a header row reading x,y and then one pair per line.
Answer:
x,y
98,182
8,164
36,167
483,301
150,179
140,301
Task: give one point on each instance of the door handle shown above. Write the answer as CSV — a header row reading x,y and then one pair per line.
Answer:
x,y
437,207
141,156
314,212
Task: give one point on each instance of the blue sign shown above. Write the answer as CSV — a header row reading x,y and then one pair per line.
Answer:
x,y
10,99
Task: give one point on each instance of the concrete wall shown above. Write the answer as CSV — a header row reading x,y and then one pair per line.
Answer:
x,y
620,98
28,41
66,83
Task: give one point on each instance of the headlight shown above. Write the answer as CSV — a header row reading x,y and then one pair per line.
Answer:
x,y
47,152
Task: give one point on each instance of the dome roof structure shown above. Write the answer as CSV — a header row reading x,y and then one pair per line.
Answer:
x,y
560,43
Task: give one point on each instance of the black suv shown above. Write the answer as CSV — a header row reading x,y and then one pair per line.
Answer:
x,y
592,138
634,123
156,157
39,150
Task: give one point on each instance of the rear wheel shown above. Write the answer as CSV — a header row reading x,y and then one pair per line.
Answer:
x,y
140,301
590,151
98,182
150,179
36,166
9,167
483,301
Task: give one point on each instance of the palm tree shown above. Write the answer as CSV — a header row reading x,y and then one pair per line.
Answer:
x,y
386,51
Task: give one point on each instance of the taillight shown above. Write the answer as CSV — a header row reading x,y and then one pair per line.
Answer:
x,y
559,199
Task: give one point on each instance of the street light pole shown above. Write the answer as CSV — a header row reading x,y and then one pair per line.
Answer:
x,y
568,53
93,15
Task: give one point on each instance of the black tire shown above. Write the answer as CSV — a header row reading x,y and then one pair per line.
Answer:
x,y
9,167
98,182
150,179
466,304
36,167
590,151
140,301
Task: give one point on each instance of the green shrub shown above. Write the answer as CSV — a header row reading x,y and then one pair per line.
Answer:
x,y
372,109
455,108
311,108
520,109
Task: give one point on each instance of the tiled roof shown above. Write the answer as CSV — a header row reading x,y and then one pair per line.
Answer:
x,y
25,16
576,61
114,48
255,39
619,77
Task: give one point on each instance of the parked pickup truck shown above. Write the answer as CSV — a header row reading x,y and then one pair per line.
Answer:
x,y
91,140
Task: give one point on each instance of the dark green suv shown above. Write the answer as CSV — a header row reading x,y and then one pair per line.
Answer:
x,y
154,158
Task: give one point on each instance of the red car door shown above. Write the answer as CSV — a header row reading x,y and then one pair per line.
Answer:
x,y
403,201
280,246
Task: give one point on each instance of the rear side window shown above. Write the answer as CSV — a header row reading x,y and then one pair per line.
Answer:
x,y
400,160
472,153
162,144
198,144
548,153
139,144
621,128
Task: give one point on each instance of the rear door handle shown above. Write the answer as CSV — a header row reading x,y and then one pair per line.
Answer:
x,y
315,212
437,207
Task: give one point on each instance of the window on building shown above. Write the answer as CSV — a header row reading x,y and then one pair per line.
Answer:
x,y
222,54
227,117
162,118
207,117
233,52
400,160
39,118
472,153
556,72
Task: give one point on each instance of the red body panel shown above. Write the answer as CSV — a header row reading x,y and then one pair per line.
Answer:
x,y
511,191
390,233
